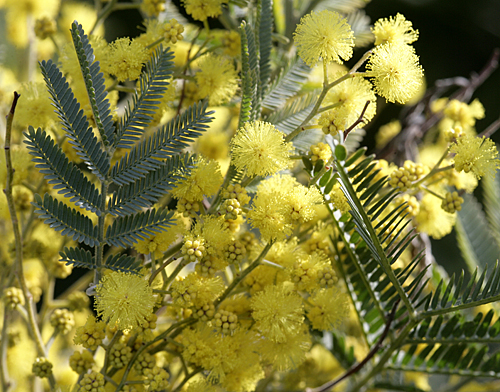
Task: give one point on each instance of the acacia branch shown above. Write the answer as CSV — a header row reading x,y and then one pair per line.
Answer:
x,y
357,367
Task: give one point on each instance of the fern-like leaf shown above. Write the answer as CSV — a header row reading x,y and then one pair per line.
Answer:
x,y
491,188
449,296
62,174
457,329
74,122
94,82
367,205
265,42
144,193
168,141
128,230
78,257
477,245
287,84
152,87
66,220
458,358
123,263
292,114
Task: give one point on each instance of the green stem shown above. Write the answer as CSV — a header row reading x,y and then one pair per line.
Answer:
x,y
118,334
28,298
99,249
4,371
187,378
244,274
352,72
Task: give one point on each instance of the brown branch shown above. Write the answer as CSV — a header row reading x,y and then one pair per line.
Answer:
x,y
357,367
358,121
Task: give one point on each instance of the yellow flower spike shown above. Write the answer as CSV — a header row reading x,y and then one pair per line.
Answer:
x,y
124,299
325,35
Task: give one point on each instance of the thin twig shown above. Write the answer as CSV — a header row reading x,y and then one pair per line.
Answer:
x,y
358,121
28,298
356,368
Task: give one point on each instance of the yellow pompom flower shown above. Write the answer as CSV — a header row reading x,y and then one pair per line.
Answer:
x,y
260,148
216,79
352,95
278,312
34,107
152,7
204,179
203,9
126,58
396,73
395,30
327,308
432,219
325,35
288,354
271,216
478,155
124,299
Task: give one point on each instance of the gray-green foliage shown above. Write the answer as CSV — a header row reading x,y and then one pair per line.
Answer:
x,y
431,332
134,183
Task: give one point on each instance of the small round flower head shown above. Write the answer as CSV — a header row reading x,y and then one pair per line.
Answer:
x,y
452,202
271,216
156,378
352,95
432,219
325,34
210,350
386,133
124,299
160,242
395,30
120,355
338,199
45,27
91,334
152,7
327,308
81,362
12,297
42,367
397,74
173,31
203,9
478,155
320,151
34,108
216,79
464,115
288,354
260,148
78,301
92,382
126,59
62,320
232,43
204,180
278,312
